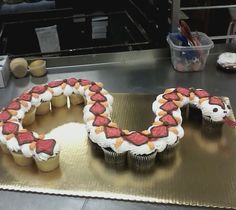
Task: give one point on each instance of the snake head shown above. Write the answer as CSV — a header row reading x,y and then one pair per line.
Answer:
x,y
214,112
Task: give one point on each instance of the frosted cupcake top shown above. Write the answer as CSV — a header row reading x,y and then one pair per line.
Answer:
x,y
164,132
227,58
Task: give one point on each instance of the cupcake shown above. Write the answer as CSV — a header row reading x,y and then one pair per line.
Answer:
x,y
29,117
46,155
214,112
22,139
110,140
7,131
94,109
142,153
227,62
70,90
57,87
44,95
82,86
97,121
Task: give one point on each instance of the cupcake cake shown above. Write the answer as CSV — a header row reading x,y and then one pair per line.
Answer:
x,y
140,147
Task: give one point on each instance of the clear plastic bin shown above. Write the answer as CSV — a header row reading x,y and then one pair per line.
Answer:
x,y
190,58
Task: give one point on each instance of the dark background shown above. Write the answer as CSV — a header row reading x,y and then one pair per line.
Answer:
x,y
132,24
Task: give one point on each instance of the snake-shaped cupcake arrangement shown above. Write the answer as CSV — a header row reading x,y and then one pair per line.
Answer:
x,y
141,146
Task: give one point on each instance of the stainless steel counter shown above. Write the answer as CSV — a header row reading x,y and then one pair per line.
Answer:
x,y
147,71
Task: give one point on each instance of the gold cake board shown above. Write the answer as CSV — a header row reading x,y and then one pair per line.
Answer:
x,y
202,172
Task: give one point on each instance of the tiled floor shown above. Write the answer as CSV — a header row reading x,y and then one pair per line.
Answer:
x,y
29,201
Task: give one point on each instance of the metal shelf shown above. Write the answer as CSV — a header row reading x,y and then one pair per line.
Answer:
x,y
177,9
208,7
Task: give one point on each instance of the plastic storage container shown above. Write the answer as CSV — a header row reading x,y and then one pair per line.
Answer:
x,y
190,58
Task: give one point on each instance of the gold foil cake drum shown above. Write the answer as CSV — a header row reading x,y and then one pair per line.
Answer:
x,y
200,170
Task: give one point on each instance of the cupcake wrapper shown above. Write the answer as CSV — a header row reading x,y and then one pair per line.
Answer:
x,y
5,149
185,111
167,155
59,101
142,162
76,99
21,160
29,116
43,108
96,150
195,114
211,129
114,158
172,146
48,165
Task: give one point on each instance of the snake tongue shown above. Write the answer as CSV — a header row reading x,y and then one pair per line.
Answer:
x,y
229,122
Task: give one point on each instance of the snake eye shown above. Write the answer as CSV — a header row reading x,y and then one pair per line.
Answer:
x,y
215,110
228,106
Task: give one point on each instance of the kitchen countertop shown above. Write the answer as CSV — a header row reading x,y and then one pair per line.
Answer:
x,y
148,71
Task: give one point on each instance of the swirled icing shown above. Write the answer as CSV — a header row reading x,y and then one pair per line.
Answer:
x,y
46,96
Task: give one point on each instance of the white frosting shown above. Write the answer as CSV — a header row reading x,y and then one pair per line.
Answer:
x,y
20,114
2,137
57,90
143,149
68,90
46,96
104,142
12,144
35,101
76,90
110,98
160,145
81,90
43,156
227,58
170,139
26,150
180,130
195,100
218,115
124,147
26,108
